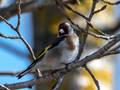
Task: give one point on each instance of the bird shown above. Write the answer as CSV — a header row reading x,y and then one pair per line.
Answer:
x,y
62,51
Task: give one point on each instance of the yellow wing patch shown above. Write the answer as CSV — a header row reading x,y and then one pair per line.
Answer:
x,y
43,52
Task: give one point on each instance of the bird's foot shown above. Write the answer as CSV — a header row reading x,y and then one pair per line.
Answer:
x,y
39,74
66,65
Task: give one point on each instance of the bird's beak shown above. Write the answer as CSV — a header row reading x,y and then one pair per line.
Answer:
x,y
61,31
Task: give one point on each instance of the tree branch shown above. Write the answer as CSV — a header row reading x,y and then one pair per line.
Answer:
x,y
111,3
98,54
82,43
59,82
104,51
93,77
101,9
16,29
2,87
8,74
8,37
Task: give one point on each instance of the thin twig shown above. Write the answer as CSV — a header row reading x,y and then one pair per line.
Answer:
x,y
27,45
20,35
111,52
99,36
9,37
115,48
24,84
93,77
2,87
59,82
30,83
83,42
104,36
79,14
19,12
17,30
101,9
111,3
10,25
8,73
96,29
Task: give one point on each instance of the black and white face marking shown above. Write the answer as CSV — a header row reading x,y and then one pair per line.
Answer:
x,y
64,28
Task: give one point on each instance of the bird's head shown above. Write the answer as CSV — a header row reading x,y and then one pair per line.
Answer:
x,y
65,29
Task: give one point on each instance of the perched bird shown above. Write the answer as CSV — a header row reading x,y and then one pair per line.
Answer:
x,y
63,51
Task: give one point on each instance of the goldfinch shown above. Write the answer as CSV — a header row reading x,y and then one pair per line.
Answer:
x,y
63,51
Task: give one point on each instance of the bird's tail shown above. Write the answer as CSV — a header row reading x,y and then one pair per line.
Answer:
x,y
21,74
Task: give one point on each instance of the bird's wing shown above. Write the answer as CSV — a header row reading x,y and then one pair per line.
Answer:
x,y
55,43
42,53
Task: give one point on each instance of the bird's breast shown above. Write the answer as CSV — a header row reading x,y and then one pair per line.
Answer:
x,y
72,42
65,52
70,49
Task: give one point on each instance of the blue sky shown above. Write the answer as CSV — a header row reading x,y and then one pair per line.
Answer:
x,y
11,61
117,59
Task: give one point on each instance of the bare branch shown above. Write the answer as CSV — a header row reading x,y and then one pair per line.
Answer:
x,y
27,45
111,3
30,83
111,53
99,36
19,12
86,29
2,87
104,36
10,25
25,84
101,9
69,8
96,29
9,37
20,35
17,30
93,77
58,83
8,74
